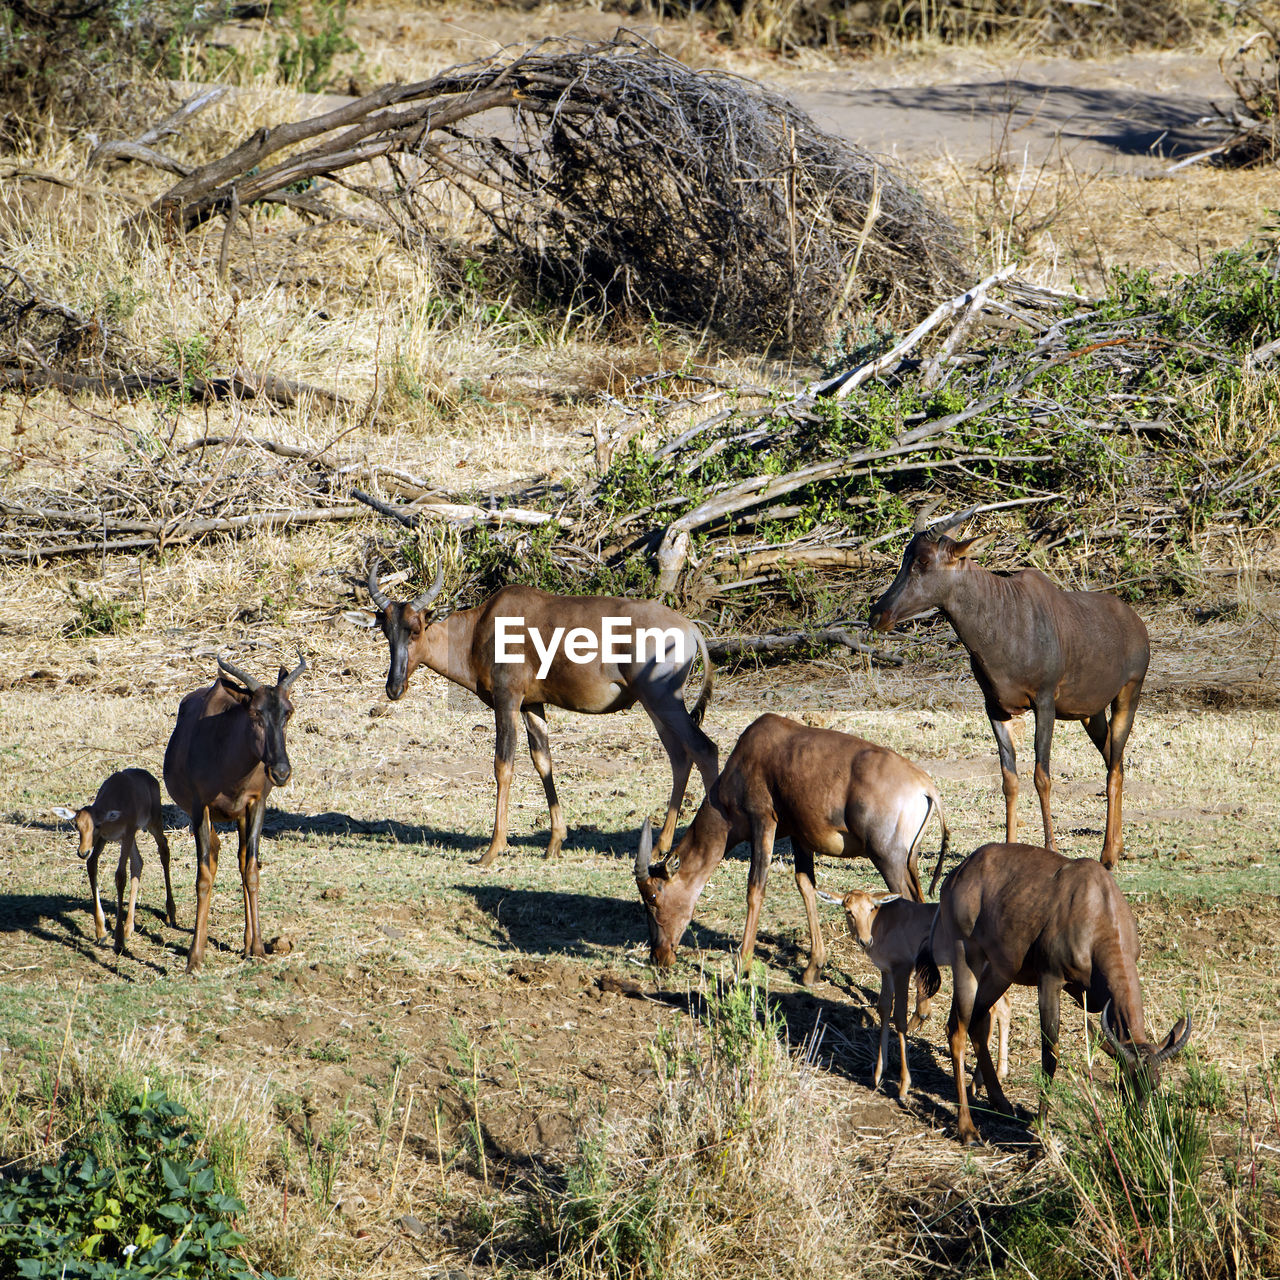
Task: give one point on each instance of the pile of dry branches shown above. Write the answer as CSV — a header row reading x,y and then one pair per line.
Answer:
x,y
1074,415
613,170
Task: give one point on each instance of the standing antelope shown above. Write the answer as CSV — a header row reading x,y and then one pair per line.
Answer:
x,y
616,652
1017,914
226,753
830,792
891,930
128,802
1064,655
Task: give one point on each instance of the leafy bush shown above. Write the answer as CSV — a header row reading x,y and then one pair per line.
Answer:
x,y
129,1193
100,617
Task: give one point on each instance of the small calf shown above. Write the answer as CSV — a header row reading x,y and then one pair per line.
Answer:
x,y
128,802
891,930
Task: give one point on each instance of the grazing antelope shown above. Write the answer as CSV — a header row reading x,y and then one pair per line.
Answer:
x,y
128,802
1017,914
830,792
226,753
1064,655
891,930
507,651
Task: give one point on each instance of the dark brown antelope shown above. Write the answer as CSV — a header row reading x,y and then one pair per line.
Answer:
x,y
1063,655
226,753
892,930
509,653
830,792
128,802
1015,914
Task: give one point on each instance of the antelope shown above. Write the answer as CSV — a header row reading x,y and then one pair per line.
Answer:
x,y
1017,914
226,753
126,803
830,792
1064,655
891,930
592,673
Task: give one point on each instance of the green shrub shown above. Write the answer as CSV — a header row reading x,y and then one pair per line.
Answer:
x,y
128,1193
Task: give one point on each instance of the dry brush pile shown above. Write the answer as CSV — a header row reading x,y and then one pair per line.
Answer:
x,y
612,173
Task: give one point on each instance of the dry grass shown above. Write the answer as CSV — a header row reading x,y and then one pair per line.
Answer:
x,y
407,964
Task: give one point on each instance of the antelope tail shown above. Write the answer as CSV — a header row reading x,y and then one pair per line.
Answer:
x,y
928,979
942,852
704,694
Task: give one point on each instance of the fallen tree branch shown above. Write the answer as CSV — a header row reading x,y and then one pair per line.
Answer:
x,y
243,385
171,533
842,384
464,515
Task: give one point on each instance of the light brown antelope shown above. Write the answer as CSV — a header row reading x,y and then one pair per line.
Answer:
x,y
891,930
508,652
126,803
226,753
1063,655
830,792
1018,914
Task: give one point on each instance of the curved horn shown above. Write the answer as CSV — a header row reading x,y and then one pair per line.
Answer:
x,y
952,522
645,853
1176,1040
1108,1029
284,684
375,592
236,674
418,603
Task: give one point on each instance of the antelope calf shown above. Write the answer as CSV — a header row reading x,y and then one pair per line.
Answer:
x,y
891,930
1017,914
226,753
830,792
508,652
128,802
1063,655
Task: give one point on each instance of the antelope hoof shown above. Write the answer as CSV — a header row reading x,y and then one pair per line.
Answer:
x,y
172,914
488,859
968,1136
553,849
810,975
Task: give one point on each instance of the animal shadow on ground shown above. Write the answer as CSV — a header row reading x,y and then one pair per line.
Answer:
x,y
583,839
544,921
847,1038
65,920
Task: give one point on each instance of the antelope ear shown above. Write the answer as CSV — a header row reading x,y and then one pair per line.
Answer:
x,y
829,897
68,815
361,618
973,547
888,898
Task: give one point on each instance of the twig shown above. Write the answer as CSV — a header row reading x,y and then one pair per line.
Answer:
x,y
842,384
